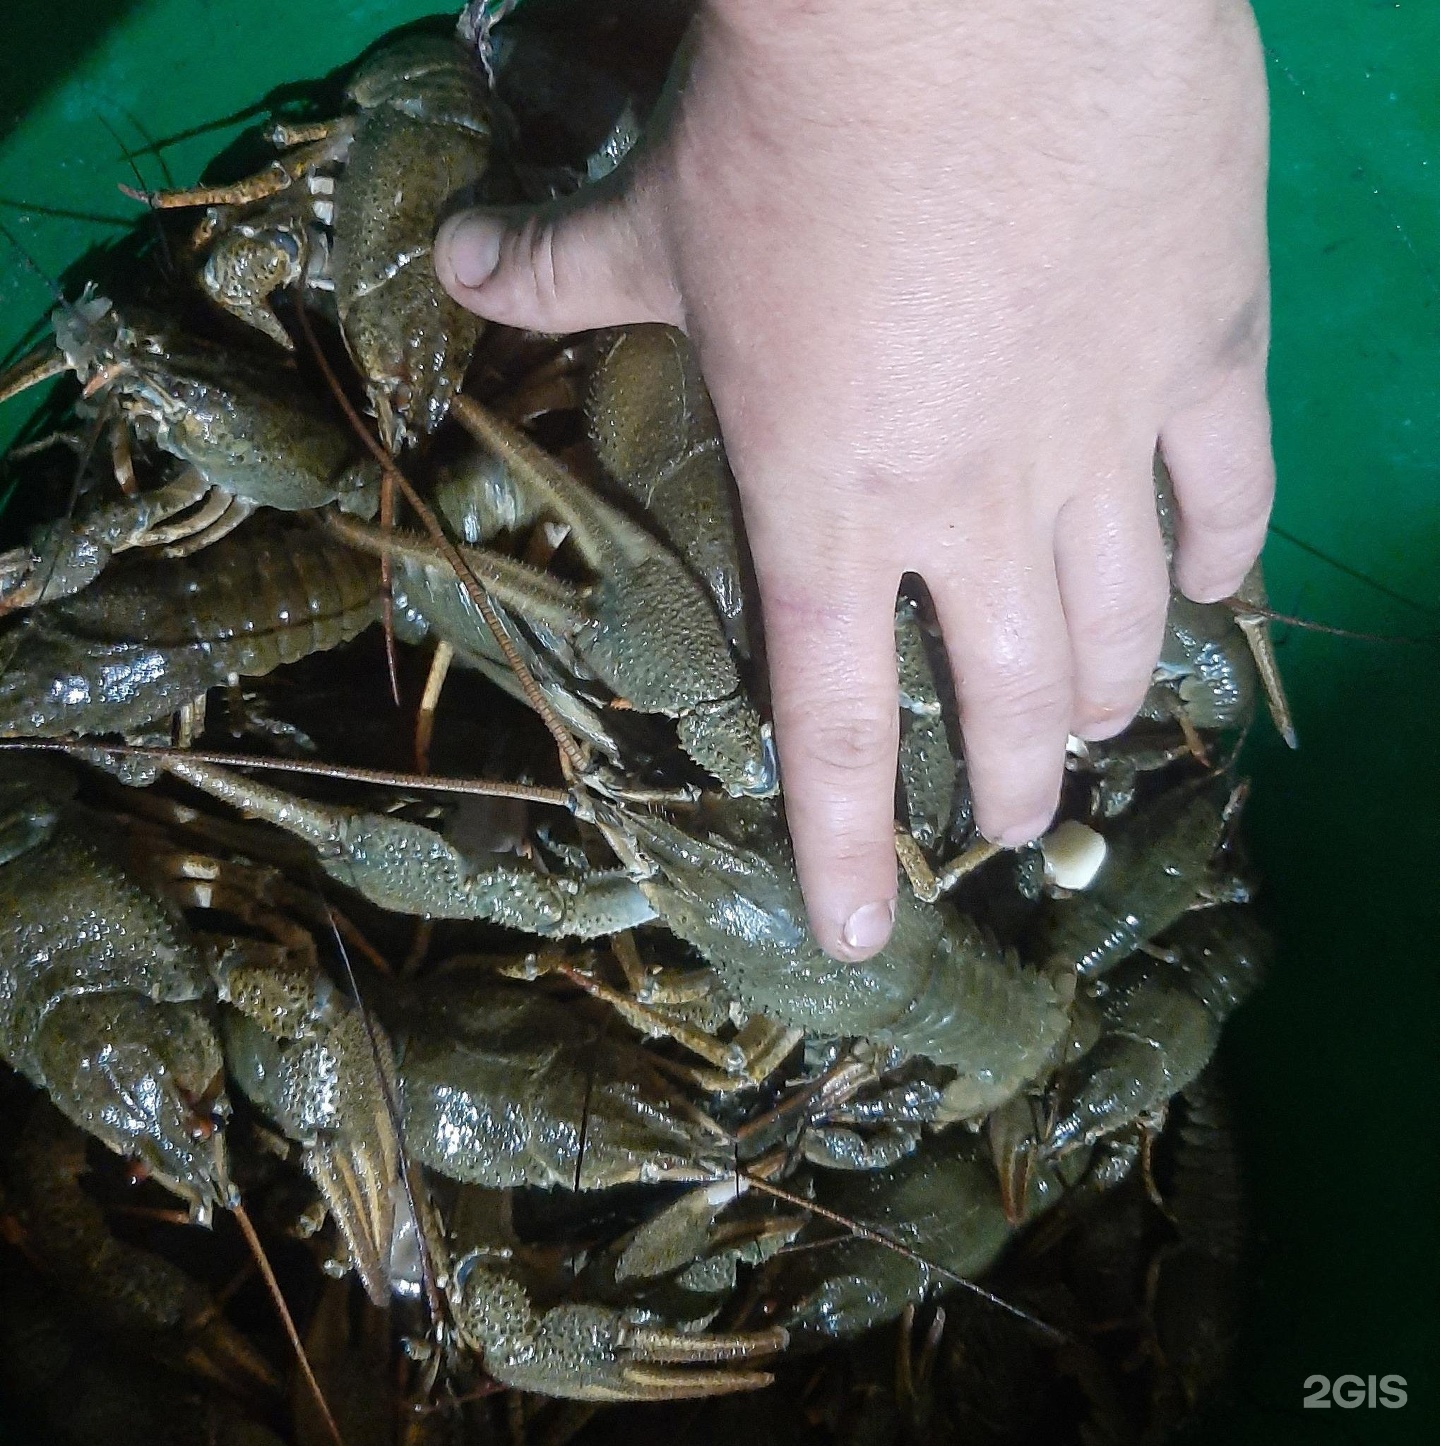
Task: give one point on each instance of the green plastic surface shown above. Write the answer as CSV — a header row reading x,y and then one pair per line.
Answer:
x,y
1335,1058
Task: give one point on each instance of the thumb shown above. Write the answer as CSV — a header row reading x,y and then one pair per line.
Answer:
x,y
585,263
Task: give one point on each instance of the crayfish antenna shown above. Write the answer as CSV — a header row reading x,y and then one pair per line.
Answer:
x,y
1240,607
379,777
252,1240
56,290
168,261
46,362
128,156
573,756
35,367
388,508
388,512
589,1096
861,1231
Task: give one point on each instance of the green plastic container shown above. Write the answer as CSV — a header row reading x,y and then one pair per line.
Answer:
x,y
1334,1060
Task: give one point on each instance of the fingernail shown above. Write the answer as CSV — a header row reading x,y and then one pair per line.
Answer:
x,y
1212,590
1014,838
1099,728
472,246
869,926
1098,732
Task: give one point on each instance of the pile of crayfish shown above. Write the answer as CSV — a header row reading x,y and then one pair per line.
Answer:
x,y
394,880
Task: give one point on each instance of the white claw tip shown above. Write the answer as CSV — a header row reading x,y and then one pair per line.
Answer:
x,y
1073,854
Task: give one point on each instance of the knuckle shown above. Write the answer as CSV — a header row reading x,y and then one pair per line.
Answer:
x,y
1115,654
1237,505
543,268
1249,512
1124,630
1020,701
1215,556
521,280
847,860
859,740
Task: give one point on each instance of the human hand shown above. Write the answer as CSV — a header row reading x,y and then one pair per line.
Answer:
x,y
952,271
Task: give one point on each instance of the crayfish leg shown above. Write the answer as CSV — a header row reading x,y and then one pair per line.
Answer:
x,y
328,146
